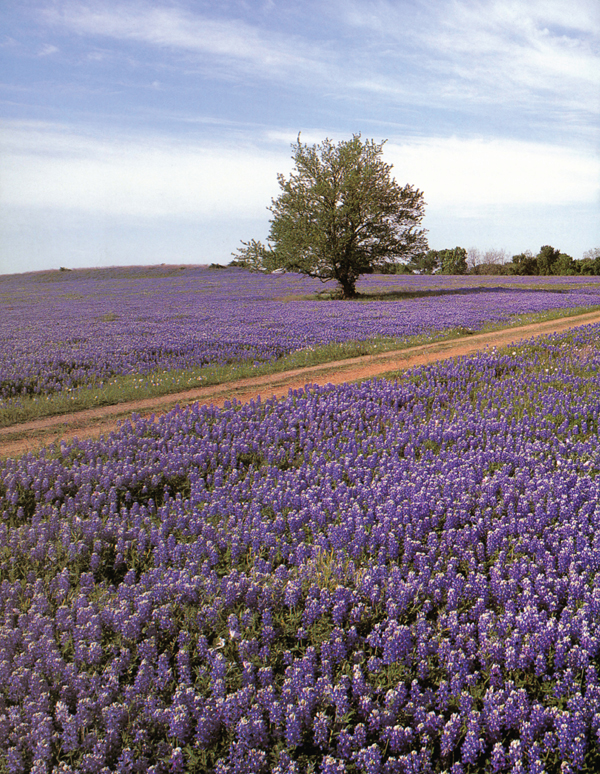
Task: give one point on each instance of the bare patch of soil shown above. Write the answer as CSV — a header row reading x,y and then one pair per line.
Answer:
x,y
31,436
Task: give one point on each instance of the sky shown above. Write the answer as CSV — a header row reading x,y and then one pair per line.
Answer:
x,y
153,131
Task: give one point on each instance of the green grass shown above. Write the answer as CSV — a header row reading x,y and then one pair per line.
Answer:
x,y
122,389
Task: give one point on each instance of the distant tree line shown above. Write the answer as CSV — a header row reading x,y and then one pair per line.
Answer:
x,y
549,261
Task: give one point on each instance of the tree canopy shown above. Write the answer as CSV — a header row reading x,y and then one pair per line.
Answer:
x,y
340,214
450,261
454,261
548,261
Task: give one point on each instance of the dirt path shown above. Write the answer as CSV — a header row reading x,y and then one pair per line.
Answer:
x,y
30,436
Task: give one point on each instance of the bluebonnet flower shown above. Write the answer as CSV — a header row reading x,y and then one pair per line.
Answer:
x,y
498,759
344,744
177,761
398,737
369,760
293,729
179,722
285,765
321,730
471,747
331,765
515,753
340,696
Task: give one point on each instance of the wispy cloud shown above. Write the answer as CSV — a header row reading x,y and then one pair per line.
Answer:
x,y
47,50
478,172
519,53
536,60
532,45
233,43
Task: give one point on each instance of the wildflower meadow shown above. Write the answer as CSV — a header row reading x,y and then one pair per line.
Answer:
x,y
68,331
394,576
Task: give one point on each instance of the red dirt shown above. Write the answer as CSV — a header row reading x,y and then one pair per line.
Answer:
x,y
92,423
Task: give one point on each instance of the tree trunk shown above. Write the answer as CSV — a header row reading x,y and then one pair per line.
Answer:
x,y
348,287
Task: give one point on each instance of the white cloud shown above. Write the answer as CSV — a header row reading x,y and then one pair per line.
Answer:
x,y
46,166
49,166
472,173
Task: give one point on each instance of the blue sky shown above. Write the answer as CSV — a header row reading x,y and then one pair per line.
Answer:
x,y
151,132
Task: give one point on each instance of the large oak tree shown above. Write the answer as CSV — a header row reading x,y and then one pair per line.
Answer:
x,y
340,214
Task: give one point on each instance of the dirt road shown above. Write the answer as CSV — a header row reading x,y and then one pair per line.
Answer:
x,y
93,423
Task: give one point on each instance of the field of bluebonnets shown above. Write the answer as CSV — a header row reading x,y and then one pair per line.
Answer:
x,y
67,332
393,576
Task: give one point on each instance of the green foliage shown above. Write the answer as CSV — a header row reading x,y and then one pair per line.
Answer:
x,y
340,215
425,263
453,261
444,261
564,265
393,268
550,261
590,264
524,264
492,262
491,269
256,257
546,259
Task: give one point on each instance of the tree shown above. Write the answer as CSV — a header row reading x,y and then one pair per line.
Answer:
x,y
546,259
592,254
454,261
340,214
494,256
492,262
474,259
564,265
524,264
590,263
425,263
